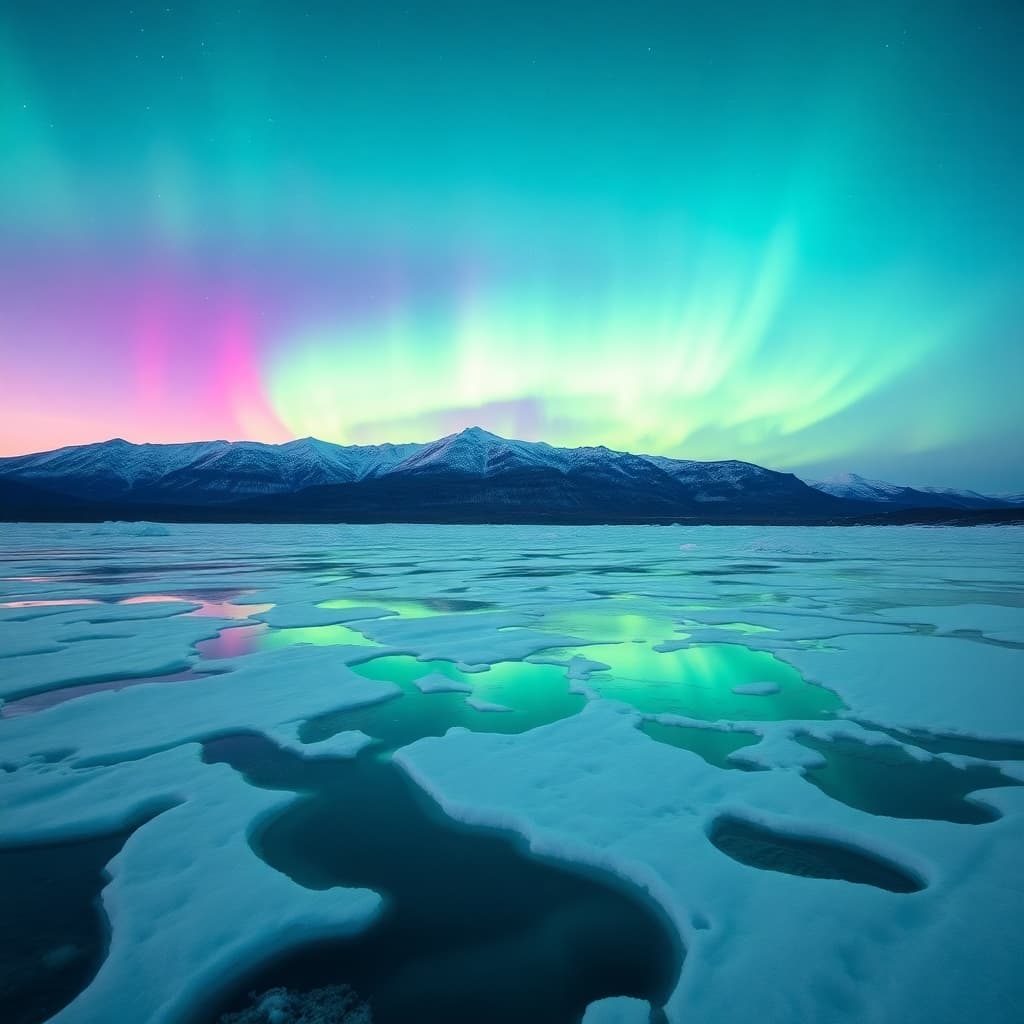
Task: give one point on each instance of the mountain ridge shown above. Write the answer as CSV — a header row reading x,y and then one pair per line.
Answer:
x,y
857,487
472,475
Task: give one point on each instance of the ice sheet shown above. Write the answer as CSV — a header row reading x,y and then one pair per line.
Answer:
x,y
906,629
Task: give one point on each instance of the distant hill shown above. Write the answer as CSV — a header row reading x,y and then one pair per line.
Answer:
x,y
859,488
471,476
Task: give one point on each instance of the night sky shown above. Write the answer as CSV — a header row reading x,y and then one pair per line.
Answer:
x,y
791,233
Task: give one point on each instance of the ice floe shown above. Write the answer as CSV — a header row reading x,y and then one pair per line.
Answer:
x,y
437,682
930,682
485,705
756,689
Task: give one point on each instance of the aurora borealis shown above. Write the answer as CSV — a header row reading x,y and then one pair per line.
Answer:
x,y
787,233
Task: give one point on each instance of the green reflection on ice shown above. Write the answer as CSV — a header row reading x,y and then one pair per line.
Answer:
x,y
319,635
698,681
534,694
731,627
407,607
605,622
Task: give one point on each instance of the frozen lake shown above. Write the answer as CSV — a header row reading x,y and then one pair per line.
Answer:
x,y
499,774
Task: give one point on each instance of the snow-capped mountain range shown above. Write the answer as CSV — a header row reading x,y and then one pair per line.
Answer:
x,y
474,474
225,470
859,488
215,470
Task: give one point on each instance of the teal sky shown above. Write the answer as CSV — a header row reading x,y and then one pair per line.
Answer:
x,y
791,233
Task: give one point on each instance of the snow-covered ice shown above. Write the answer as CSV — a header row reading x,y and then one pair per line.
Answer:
x,y
691,684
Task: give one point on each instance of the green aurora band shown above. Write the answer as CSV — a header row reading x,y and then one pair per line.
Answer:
x,y
786,233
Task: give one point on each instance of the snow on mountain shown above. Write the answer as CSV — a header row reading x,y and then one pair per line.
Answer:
x,y
117,461
215,469
954,492
727,472
478,452
223,471
851,485
734,482
312,461
250,467
606,461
